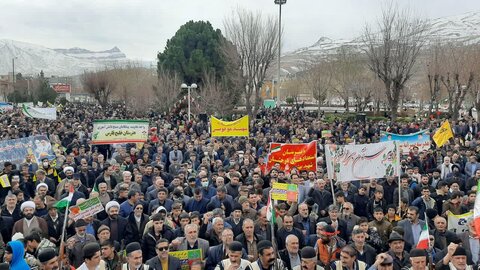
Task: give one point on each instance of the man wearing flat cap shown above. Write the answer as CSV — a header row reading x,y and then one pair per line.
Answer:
x,y
400,257
29,221
234,260
76,243
267,259
134,257
456,259
383,261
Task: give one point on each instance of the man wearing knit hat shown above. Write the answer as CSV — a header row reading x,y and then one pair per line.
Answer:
x,y
134,257
29,221
49,259
234,260
456,259
418,259
309,260
116,223
266,258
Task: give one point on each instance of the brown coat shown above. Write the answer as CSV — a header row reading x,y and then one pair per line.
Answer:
x,y
18,226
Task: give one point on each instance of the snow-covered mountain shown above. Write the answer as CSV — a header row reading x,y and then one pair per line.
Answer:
x,y
463,28
30,59
112,54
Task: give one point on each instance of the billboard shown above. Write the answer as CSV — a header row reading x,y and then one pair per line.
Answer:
x,y
62,87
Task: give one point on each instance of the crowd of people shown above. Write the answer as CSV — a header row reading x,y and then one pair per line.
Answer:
x,y
185,190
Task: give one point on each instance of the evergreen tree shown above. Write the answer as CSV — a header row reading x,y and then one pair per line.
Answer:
x,y
45,92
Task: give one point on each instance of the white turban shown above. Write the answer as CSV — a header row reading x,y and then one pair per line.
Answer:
x,y
42,185
68,168
27,204
18,236
111,204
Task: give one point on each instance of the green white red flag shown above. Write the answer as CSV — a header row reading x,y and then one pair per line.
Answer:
x,y
424,240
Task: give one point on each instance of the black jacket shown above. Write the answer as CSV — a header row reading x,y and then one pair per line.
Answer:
x,y
149,241
122,228
286,258
133,232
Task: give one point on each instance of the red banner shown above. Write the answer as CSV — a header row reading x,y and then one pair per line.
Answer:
x,y
61,87
302,156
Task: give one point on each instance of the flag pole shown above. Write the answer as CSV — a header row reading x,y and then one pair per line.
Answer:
x,y
399,170
61,253
333,193
62,239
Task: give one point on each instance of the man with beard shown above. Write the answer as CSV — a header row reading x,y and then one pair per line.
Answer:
x,y
329,246
234,260
455,259
412,226
400,257
134,257
68,171
76,243
266,258
286,230
117,224
29,221
309,260
290,255
41,178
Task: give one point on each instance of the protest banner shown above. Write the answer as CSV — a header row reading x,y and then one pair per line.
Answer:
x,y
119,131
284,192
326,133
458,223
16,150
5,107
187,257
87,208
237,128
40,113
406,143
302,156
362,161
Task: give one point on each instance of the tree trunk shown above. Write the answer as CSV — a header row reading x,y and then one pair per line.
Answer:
x,y
319,108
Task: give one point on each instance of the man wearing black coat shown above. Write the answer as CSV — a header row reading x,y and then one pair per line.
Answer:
x,y
341,225
162,249
287,230
304,221
290,255
321,197
157,231
116,223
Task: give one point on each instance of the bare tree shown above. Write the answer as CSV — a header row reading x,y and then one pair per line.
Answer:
x,y
100,84
318,79
456,92
216,97
166,90
393,49
434,69
255,37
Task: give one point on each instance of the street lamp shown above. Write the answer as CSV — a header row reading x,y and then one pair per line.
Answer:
x,y
185,86
279,3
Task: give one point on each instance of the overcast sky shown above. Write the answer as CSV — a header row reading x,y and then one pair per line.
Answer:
x,y
140,28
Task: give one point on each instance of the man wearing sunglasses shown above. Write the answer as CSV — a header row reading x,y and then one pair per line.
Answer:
x,y
163,260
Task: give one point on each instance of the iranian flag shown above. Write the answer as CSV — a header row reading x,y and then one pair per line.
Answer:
x,y
65,202
424,240
276,149
270,210
476,211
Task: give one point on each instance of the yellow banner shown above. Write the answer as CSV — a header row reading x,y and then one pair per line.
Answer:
x,y
237,128
443,134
